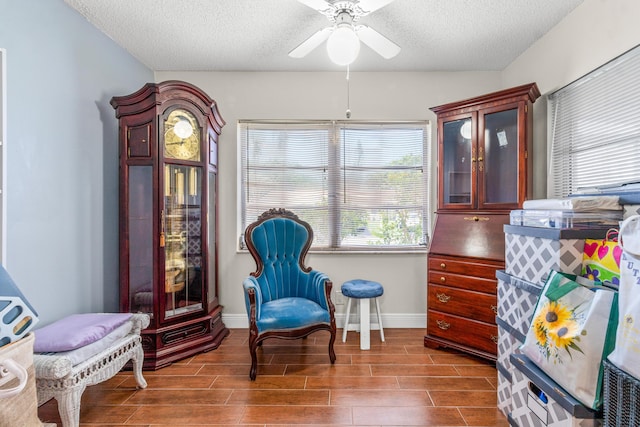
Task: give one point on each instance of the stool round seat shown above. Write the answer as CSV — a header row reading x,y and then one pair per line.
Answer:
x,y
364,291
359,288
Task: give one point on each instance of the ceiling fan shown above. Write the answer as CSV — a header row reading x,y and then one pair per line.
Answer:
x,y
344,36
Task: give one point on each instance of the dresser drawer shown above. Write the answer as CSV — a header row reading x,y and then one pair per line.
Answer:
x,y
482,269
488,286
462,331
474,305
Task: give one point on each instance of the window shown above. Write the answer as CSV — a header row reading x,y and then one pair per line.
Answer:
x,y
3,157
359,185
595,125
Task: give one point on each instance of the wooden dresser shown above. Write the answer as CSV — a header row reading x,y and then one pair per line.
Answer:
x,y
484,172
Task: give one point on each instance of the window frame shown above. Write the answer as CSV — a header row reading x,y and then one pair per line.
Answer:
x,y
336,174
594,129
3,156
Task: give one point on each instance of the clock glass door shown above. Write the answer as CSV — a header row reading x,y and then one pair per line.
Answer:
x,y
183,239
181,136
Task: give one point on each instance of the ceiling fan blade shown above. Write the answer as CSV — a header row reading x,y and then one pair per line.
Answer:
x,y
368,6
319,5
376,41
311,43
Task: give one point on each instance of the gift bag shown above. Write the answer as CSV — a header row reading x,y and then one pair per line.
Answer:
x,y
572,331
18,397
626,354
601,258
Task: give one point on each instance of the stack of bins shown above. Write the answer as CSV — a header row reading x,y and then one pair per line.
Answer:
x,y
530,253
517,300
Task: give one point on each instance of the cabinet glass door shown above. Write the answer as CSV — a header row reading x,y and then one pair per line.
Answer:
x,y
498,159
182,229
456,177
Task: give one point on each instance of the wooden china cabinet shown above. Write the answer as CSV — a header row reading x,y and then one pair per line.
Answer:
x,y
168,136
484,171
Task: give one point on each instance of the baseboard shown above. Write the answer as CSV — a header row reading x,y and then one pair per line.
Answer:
x,y
389,321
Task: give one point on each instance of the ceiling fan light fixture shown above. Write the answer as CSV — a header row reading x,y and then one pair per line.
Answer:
x,y
343,45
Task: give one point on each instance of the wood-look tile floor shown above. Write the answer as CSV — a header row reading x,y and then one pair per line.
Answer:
x,y
395,383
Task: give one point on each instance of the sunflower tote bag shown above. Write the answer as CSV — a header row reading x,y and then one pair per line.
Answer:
x,y
626,354
573,329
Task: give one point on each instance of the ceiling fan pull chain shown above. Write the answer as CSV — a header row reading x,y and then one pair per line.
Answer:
x,y
348,108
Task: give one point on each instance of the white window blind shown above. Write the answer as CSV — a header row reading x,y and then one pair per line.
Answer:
x,y
3,157
595,129
359,185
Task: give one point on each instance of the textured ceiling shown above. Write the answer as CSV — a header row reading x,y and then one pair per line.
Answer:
x,y
256,35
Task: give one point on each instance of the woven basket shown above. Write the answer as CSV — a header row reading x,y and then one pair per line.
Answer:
x,y
621,397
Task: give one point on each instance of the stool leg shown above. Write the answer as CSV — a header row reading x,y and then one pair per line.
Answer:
x,y
69,405
365,326
138,360
379,320
346,321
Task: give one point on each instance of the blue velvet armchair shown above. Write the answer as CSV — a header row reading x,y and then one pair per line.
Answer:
x,y
284,298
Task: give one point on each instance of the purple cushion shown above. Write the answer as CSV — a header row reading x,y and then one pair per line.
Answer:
x,y
76,331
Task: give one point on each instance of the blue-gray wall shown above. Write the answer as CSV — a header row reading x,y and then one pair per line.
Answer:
x,y
62,156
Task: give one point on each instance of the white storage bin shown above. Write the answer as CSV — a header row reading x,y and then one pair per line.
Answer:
x,y
538,401
517,301
531,252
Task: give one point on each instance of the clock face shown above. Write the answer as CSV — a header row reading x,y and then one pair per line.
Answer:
x,y
181,136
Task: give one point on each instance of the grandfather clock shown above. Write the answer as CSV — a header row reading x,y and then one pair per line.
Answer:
x,y
168,136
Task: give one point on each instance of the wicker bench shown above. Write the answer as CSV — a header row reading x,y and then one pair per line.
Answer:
x,y
57,377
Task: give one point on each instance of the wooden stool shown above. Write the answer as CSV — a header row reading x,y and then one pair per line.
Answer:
x,y
363,290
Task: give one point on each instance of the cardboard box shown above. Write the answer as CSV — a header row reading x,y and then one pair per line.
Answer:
x,y
537,400
17,316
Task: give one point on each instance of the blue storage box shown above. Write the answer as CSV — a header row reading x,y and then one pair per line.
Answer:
x,y
17,316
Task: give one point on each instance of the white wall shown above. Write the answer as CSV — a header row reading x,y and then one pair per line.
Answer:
x,y
62,156
375,96
594,33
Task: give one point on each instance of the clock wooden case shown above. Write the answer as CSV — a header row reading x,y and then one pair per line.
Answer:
x,y
484,171
168,136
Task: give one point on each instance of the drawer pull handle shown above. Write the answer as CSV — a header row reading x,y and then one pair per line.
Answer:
x,y
443,279
476,218
494,308
494,338
443,297
443,265
443,325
